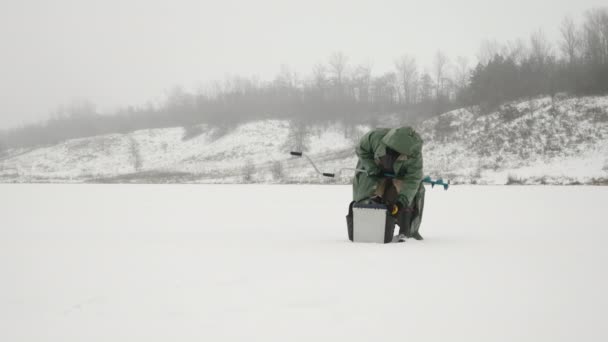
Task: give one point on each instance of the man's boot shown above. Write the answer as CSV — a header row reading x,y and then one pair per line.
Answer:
x,y
404,220
417,236
399,238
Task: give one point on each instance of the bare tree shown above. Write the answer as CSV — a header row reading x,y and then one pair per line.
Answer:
x,y
487,50
76,108
440,63
570,40
248,171
135,155
286,78
278,173
407,73
540,47
426,87
384,88
319,74
596,36
516,50
462,72
298,137
337,65
362,82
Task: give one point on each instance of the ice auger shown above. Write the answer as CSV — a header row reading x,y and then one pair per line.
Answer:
x,y
427,179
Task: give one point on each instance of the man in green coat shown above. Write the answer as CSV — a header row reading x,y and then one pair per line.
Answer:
x,y
392,164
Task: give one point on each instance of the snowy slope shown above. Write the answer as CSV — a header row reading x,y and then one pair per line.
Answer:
x,y
272,263
215,155
541,141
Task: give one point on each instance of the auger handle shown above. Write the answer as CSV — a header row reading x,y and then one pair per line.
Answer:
x,y
297,154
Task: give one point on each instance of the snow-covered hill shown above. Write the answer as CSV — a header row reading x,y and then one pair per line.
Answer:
x,y
542,141
209,155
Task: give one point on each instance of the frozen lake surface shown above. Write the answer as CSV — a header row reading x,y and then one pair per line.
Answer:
x,y
273,263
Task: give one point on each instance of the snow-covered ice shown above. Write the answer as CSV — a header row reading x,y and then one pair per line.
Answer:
x,y
273,263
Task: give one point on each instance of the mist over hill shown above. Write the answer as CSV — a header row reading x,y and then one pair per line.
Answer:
x,y
530,112
340,89
541,141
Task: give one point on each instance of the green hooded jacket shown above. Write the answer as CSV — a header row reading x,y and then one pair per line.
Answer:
x,y
407,168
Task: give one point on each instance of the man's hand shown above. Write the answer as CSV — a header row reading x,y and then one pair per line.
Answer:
x,y
374,172
395,209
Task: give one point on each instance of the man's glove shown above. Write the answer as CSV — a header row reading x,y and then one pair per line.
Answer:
x,y
395,208
374,172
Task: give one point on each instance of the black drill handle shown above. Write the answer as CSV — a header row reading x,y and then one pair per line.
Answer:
x,y
300,154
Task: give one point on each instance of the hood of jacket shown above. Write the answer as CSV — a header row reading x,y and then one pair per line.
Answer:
x,y
404,140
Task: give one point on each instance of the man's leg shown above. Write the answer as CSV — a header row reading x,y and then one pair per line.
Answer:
x,y
378,194
366,188
388,191
391,193
389,197
381,189
409,219
417,214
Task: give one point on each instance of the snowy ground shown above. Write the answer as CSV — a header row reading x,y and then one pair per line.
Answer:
x,y
272,263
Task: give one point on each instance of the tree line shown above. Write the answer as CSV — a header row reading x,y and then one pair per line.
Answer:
x,y
338,90
577,64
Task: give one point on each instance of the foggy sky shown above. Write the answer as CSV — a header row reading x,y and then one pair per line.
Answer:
x,y
116,52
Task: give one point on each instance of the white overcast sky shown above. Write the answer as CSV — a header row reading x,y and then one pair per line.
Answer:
x,y
120,52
